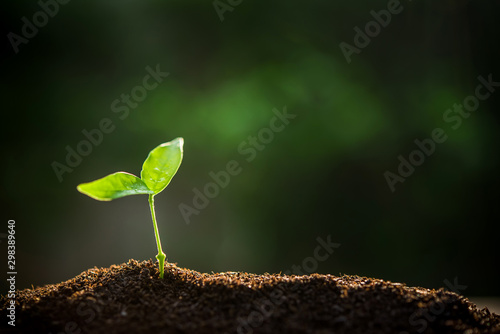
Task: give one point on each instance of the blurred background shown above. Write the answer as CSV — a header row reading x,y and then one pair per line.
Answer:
x,y
230,65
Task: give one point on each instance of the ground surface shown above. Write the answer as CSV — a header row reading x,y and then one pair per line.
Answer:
x,y
130,298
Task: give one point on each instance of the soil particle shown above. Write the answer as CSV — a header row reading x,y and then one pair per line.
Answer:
x,y
130,298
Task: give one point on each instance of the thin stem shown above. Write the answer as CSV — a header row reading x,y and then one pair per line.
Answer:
x,y
161,256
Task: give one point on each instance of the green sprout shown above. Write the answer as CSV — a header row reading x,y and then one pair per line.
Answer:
x,y
158,169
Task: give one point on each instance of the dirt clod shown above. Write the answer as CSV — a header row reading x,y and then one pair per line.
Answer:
x,y
130,298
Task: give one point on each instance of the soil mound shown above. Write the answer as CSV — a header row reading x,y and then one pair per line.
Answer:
x,y
130,298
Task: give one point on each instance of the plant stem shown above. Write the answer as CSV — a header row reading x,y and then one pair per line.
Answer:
x,y
161,256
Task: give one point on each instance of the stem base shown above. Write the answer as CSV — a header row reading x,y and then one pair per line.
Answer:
x,y
161,256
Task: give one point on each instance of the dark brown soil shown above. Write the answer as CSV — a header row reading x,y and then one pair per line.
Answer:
x,y
130,298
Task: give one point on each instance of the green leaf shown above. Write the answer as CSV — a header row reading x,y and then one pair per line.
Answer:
x,y
113,186
161,165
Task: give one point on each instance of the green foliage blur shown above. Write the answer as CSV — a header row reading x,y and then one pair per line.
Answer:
x,y
322,175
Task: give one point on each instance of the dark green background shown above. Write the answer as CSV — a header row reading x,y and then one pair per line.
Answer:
x,y
322,175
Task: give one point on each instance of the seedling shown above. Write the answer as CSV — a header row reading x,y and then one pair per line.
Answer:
x,y
158,169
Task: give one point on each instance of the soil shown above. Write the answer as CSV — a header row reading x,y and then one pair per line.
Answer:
x,y
130,298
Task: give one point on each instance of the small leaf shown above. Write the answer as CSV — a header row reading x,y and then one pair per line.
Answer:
x,y
114,186
161,165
